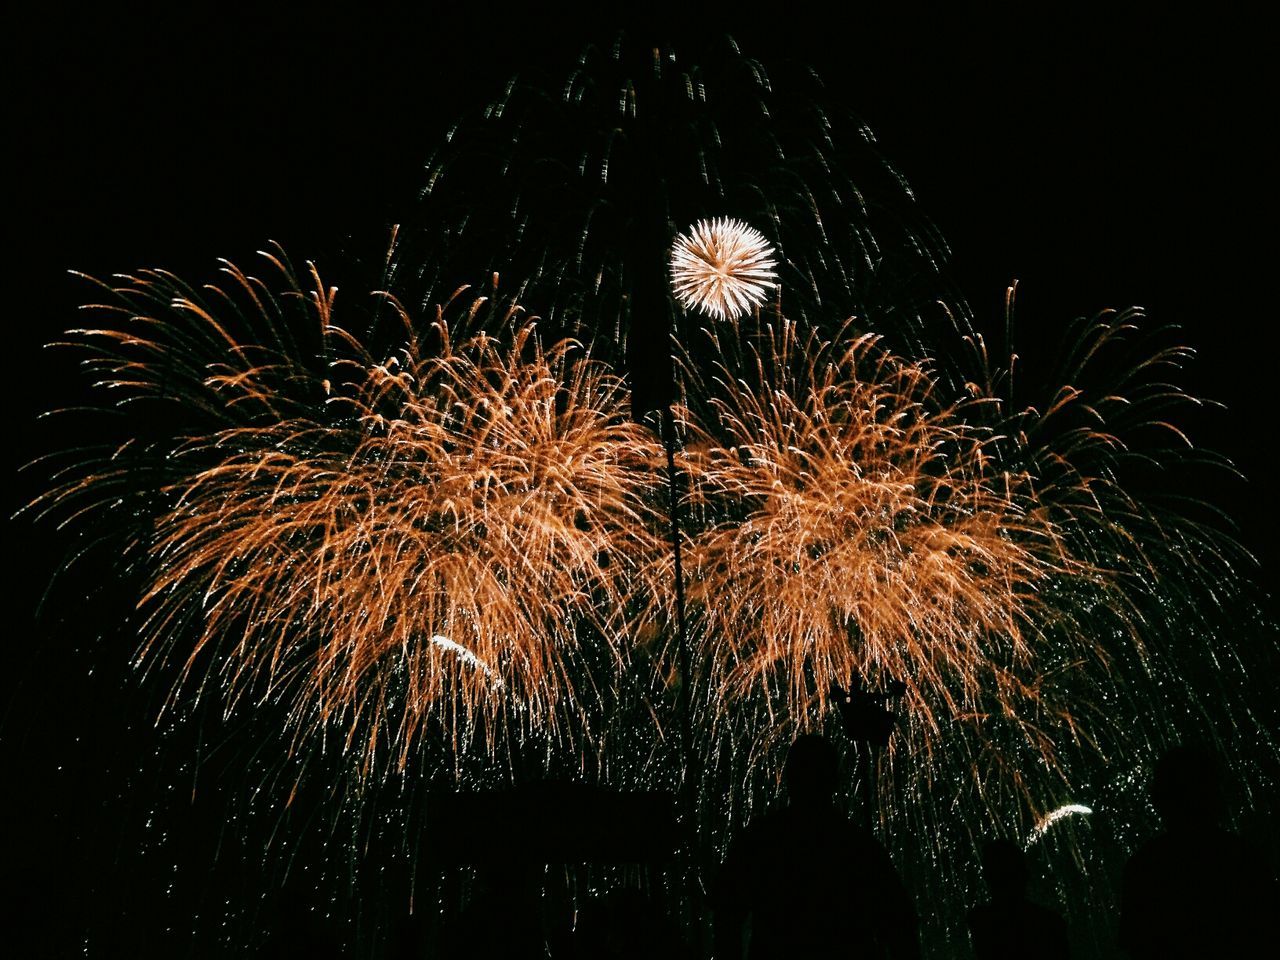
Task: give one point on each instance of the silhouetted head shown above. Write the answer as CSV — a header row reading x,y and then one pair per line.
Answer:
x,y
811,770
1187,786
1005,868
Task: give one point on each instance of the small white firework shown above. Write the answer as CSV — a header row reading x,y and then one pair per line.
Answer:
x,y
722,267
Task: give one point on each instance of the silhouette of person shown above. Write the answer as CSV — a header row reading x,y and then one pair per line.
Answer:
x,y
1010,925
804,881
1196,890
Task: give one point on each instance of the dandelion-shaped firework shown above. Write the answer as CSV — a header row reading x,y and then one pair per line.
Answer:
x,y
858,524
424,543
855,517
722,268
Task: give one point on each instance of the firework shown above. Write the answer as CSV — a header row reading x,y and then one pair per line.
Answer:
x,y
436,541
722,268
576,190
858,524
432,540
1049,819
857,531
428,542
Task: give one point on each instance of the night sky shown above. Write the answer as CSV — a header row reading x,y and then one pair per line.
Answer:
x,y
1101,160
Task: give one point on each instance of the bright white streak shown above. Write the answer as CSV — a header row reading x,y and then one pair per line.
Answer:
x,y
469,658
1053,817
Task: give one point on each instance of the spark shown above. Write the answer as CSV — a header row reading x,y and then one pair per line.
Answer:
x,y
723,268
1053,817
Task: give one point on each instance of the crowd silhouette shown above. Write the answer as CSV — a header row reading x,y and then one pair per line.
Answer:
x,y
803,880
1011,925
1195,890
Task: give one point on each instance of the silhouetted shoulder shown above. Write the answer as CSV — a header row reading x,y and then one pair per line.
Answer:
x,y
1010,925
803,881
1194,893
813,881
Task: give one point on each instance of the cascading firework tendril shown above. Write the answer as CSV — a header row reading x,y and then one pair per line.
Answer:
x,y
434,537
426,541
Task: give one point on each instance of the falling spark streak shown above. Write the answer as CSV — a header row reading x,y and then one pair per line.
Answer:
x,y
1053,817
468,658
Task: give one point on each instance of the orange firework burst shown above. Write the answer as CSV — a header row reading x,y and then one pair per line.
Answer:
x,y
853,517
857,523
429,542
427,537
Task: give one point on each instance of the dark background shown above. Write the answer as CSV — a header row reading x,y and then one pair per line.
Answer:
x,y
1101,158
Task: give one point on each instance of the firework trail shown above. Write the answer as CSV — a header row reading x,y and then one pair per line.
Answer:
x,y
426,542
1043,827
434,540
575,186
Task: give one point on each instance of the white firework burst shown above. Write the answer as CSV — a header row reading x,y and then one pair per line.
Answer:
x,y
722,267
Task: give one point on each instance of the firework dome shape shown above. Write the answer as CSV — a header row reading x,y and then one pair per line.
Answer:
x,y
859,524
432,539
722,268
382,542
